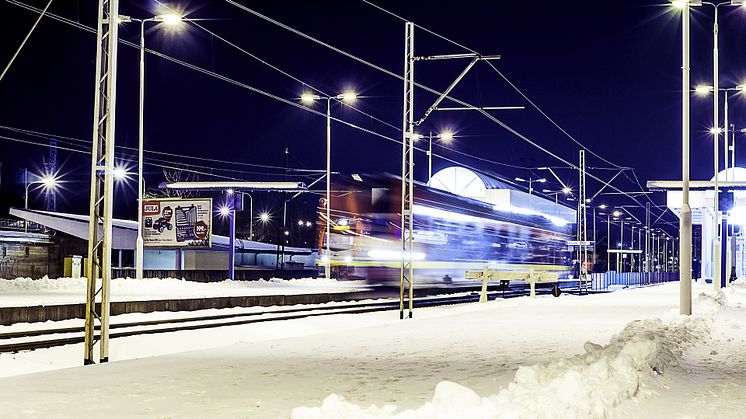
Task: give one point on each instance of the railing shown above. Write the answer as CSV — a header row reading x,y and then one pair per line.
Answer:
x,y
603,280
14,224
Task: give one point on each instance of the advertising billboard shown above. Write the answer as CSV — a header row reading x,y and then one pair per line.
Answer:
x,y
177,222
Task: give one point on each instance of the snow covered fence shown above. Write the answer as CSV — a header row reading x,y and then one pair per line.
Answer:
x,y
603,280
587,385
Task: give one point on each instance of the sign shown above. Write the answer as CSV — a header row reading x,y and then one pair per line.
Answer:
x,y
176,222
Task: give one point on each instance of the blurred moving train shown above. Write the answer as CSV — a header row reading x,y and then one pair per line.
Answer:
x,y
453,231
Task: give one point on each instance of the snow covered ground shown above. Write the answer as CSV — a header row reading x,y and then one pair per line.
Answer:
x,y
625,354
45,291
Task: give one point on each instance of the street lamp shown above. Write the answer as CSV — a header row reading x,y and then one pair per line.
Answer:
x,y
48,182
564,191
703,90
685,218
170,19
445,137
530,182
715,122
308,99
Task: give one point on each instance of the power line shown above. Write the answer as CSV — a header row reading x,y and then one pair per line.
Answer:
x,y
251,88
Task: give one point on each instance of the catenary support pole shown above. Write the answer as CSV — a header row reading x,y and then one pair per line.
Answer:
x,y
98,265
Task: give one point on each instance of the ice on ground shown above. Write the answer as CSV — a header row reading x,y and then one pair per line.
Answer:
x,y
587,385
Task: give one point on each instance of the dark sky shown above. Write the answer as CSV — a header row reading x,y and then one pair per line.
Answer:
x,y
607,72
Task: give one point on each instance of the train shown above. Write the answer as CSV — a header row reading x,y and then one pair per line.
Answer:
x,y
452,234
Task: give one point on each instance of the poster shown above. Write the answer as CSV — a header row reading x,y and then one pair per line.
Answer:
x,y
177,222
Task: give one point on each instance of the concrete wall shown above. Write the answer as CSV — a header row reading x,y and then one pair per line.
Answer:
x,y
205,259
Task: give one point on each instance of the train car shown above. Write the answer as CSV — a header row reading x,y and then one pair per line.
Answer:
x,y
452,234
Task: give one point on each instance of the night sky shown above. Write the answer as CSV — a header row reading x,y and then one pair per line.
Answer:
x,y
609,73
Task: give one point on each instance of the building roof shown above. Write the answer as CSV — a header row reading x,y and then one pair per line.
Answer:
x,y
124,232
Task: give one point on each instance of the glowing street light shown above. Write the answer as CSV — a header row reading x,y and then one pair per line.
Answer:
x,y
120,173
49,183
224,211
702,90
169,19
264,217
446,137
616,214
530,182
566,190
307,98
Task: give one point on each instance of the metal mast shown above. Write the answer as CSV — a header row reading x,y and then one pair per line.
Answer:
x,y
582,228
100,225
407,178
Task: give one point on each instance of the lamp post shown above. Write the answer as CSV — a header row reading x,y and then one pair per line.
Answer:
x,y
308,99
445,137
565,191
48,182
530,182
168,19
716,123
685,220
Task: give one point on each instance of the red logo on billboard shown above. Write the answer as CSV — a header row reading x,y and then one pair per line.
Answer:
x,y
151,208
200,230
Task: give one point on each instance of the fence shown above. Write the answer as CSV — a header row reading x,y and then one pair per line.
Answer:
x,y
13,224
603,280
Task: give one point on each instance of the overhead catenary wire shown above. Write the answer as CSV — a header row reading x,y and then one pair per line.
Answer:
x,y
419,85
294,104
248,87
28,35
510,83
525,97
263,166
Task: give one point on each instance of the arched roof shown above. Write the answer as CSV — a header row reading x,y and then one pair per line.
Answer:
x,y
737,174
464,182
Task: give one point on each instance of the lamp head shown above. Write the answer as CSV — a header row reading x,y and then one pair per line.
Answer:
x,y
49,181
309,98
120,173
566,190
616,213
446,136
348,96
170,19
702,90
264,217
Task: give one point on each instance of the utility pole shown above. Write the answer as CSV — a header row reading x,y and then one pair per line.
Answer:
x,y
582,225
685,223
407,170
102,164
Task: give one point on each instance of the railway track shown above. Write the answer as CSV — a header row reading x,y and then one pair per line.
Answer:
x,y
52,337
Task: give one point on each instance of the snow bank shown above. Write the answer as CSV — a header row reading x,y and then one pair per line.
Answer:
x,y
587,385
26,291
24,285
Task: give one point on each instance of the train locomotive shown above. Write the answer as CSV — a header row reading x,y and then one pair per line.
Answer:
x,y
452,234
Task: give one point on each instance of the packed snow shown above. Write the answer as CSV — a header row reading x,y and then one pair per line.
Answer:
x,y
44,291
624,354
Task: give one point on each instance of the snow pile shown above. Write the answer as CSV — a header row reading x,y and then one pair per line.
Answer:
x,y
26,285
587,385
27,291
